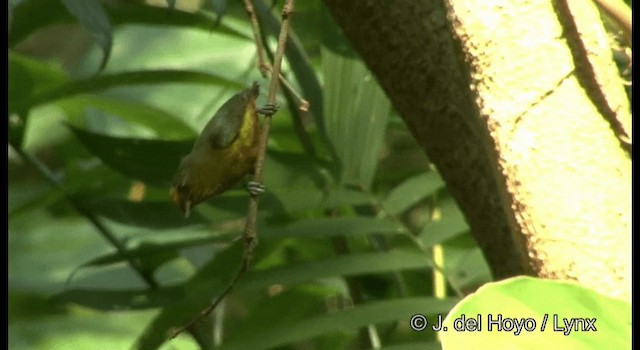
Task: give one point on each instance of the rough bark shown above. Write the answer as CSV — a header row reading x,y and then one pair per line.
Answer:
x,y
519,106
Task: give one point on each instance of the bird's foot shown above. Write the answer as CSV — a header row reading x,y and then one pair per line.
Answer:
x,y
255,188
268,109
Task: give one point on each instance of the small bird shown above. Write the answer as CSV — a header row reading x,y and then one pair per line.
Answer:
x,y
224,153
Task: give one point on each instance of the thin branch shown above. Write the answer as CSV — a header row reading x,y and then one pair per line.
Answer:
x,y
77,205
250,235
263,66
204,313
293,98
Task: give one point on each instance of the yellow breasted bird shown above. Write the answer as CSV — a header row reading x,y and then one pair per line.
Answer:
x,y
224,153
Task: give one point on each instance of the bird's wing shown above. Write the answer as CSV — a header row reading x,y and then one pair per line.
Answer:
x,y
225,125
224,128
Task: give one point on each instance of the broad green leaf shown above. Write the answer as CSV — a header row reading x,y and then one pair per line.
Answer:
x,y
344,197
346,265
412,191
331,227
350,319
157,215
114,300
29,16
306,196
464,262
309,300
92,16
106,81
286,168
356,115
163,123
451,223
24,199
152,161
530,313
28,77
148,249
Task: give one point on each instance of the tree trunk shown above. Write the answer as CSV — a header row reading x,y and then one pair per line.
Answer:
x,y
520,107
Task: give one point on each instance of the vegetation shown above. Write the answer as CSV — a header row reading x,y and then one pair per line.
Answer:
x,y
357,231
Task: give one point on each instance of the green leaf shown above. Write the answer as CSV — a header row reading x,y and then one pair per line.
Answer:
x,y
450,224
345,197
285,169
303,197
309,300
29,16
155,215
537,304
149,249
346,265
152,161
28,77
114,300
331,227
356,115
152,254
208,283
412,191
93,17
41,196
350,319
165,124
464,263
106,81
136,13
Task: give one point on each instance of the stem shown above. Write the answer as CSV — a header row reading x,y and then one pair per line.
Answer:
x,y
250,236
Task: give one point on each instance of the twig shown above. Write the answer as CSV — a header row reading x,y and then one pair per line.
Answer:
x,y
263,65
250,236
291,95
75,204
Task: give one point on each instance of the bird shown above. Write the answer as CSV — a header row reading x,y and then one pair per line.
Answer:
x,y
223,154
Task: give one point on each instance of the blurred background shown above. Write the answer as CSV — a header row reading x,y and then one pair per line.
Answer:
x,y
106,97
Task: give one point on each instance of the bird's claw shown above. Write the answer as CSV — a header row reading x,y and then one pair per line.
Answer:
x,y
268,109
255,188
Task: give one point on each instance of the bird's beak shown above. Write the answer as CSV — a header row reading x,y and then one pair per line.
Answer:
x,y
183,204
